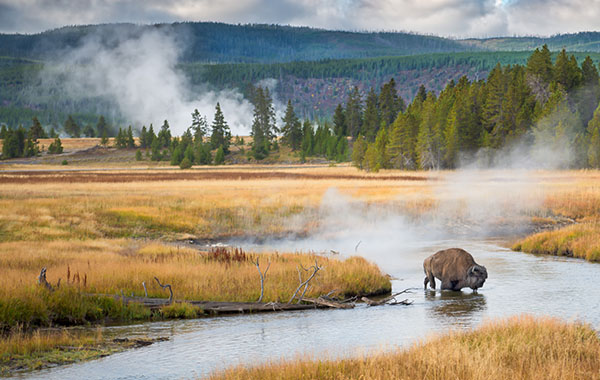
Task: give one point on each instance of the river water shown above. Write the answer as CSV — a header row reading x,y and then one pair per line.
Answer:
x,y
518,283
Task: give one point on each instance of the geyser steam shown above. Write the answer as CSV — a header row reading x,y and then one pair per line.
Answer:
x,y
139,75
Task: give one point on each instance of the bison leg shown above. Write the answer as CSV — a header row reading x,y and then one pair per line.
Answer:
x,y
431,280
425,281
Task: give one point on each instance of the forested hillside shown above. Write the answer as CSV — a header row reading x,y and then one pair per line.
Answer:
x,y
209,42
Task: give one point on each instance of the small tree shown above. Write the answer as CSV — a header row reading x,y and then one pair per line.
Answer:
x,y
104,139
55,147
138,155
220,156
36,131
221,136
130,140
71,127
185,163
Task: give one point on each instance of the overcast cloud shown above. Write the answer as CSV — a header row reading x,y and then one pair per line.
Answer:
x,y
458,18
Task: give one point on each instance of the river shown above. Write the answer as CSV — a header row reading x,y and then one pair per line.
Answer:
x,y
518,283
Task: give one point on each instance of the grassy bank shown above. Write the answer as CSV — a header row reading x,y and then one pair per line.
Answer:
x,y
517,348
24,351
115,266
578,240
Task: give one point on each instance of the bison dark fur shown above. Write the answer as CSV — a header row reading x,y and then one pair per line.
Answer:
x,y
455,268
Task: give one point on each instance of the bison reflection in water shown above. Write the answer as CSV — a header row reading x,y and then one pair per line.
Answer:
x,y
456,304
455,268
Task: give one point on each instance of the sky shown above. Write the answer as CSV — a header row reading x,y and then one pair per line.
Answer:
x,y
449,18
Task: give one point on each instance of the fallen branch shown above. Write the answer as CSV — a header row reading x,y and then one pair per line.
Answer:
x,y
145,290
315,269
384,301
329,303
262,278
166,286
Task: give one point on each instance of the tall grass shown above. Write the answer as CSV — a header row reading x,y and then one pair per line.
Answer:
x,y
115,266
518,348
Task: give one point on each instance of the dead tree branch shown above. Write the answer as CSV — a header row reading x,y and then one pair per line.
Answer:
x,y
262,278
387,300
166,286
42,280
329,303
145,290
315,268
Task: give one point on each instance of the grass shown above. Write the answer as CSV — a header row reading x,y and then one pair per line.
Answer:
x,y
21,351
115,266
578,240
518,348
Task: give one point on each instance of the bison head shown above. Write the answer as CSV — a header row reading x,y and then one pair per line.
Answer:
x,y
476,276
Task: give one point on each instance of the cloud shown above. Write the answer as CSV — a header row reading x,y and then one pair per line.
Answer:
x,y
459,18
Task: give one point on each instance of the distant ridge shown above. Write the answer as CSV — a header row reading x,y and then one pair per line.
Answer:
x,y
212,42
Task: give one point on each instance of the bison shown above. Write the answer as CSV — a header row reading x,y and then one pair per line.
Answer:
x,y
456,268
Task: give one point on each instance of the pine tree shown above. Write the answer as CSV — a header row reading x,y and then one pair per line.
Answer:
x,y
199,125
130,140
308,138
354,113
221,135
88,131
144,143
539,64
492,109
263,124
36,131
339,121
428,151
55,147
593,153
359,150
3,132
292,129
370,125
390,104
588,96
220,156
71,127
102,128
164,135
156,154
566,71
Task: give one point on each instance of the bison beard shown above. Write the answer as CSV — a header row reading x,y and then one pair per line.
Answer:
x,y
455,268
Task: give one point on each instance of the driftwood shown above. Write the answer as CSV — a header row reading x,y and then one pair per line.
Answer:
x,y
315,268
329,303
166,286
42,280
262,278
386,300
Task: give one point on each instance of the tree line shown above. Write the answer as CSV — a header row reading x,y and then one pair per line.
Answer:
x,y
545,103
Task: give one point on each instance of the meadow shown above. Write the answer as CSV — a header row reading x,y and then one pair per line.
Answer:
x,y
104,232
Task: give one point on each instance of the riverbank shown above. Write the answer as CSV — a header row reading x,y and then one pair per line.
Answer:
x,y
23,351
517,348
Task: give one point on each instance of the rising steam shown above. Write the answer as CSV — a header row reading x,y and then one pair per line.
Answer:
x,y
138,74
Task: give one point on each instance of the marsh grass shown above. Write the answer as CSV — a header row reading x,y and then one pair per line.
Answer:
x,y
517,348
113,267
20,350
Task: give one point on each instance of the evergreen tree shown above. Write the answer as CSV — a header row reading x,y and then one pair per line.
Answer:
x,y
339,121
36,131
199,125
263,124
588,96
150,136
71,127
359,150
88,131
593,153
428,148
102,127
104,138
55,147
220,156
492,109
354,113
221,136
177,155
138,155
202,154
164,135
370,125
3,132
156,154
566,71
390,104
144,143
308,138
121,139
130,140
292,129
539,64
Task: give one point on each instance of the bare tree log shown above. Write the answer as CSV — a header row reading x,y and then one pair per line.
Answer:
x,y
145,290
166,286
330,303
315,268
384,301
42,279
356,246
262,278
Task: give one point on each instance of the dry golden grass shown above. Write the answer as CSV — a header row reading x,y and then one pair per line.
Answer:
x,y
518,348
109,266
